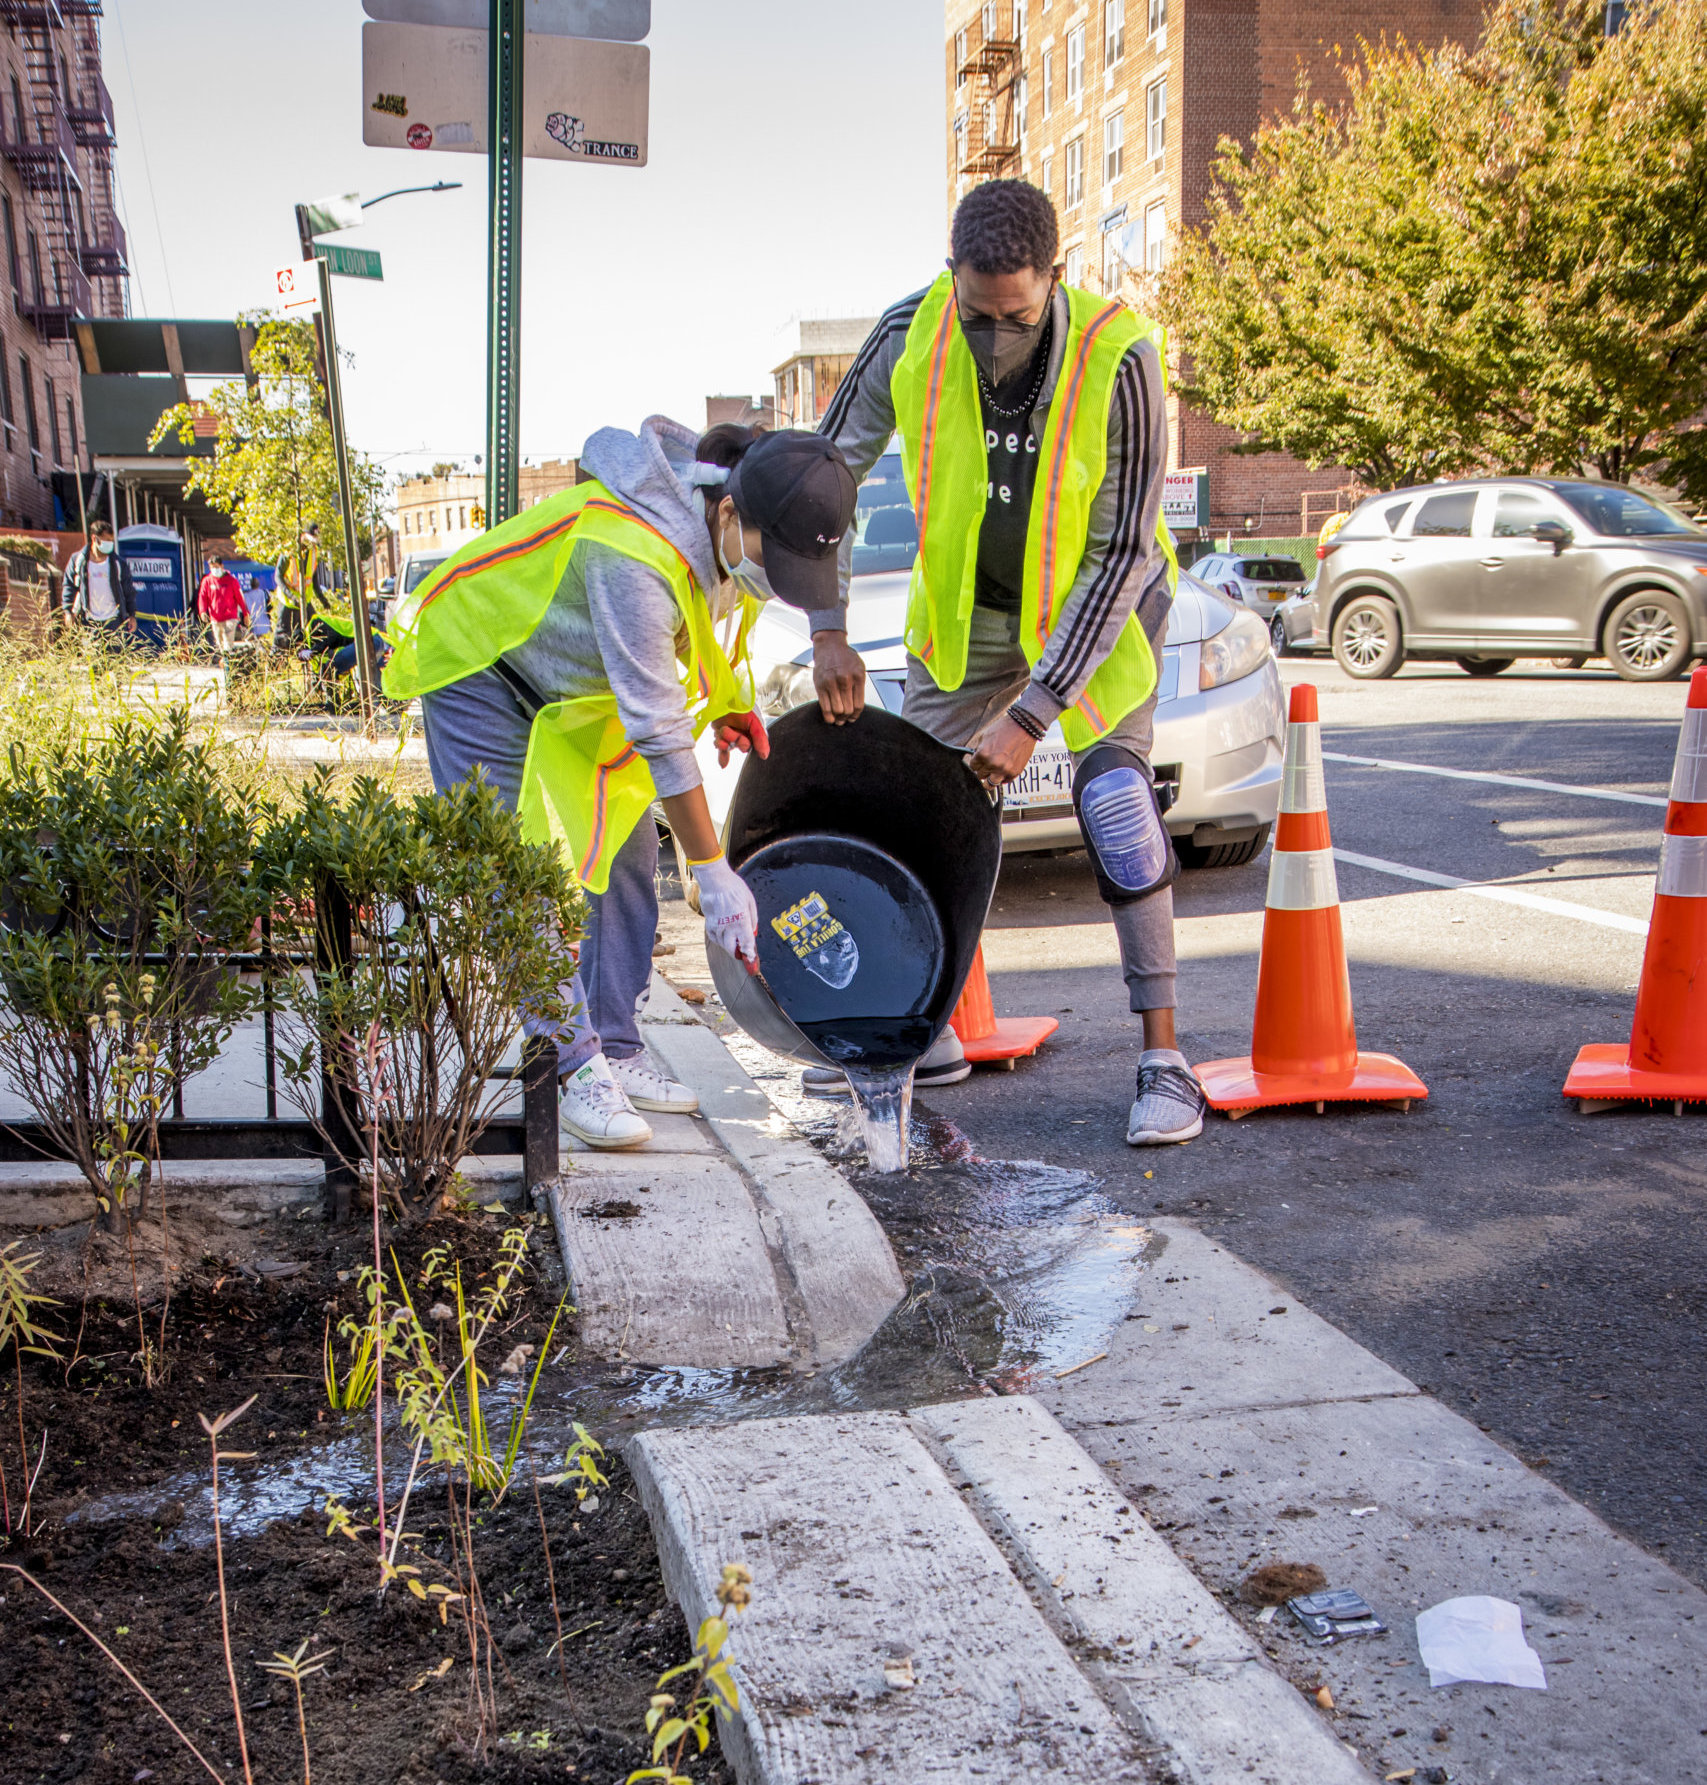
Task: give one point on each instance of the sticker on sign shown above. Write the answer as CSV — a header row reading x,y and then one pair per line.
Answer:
x,y
424,87
296,287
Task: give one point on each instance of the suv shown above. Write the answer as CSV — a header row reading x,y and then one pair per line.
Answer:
x,y
1484,572
1262,584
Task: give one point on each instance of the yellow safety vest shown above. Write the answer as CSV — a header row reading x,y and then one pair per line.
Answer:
x,y
310,603
935,392
584,785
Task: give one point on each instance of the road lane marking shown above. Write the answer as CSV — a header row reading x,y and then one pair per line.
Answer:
x,y
1429,768
1504,895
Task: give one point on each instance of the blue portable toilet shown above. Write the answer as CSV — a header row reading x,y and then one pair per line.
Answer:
x,y
155,558
257,581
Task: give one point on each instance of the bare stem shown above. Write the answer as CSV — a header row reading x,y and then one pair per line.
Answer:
x,y
302,1726
551,1583
378,1329
25,1575
225,1618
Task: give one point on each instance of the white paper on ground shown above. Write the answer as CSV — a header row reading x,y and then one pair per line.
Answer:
x,y
1480,1639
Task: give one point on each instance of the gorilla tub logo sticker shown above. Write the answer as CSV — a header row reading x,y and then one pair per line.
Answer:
x,y
824,947
564,128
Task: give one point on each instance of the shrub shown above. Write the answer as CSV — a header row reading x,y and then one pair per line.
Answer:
x,y
433,924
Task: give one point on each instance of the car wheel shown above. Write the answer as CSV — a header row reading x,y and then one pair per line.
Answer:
x,y
1277,636
1647,637
1368,642
1567,662
1220,855
1483,666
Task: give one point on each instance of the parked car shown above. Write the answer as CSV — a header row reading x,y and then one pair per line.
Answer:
x,y
1263,584
1294,624
1484,571
1220,718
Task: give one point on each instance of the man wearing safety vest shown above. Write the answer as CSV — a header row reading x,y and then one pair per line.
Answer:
x,y
305,587
572,656
1034,441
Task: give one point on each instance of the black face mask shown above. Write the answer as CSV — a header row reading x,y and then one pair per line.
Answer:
x,y
999,349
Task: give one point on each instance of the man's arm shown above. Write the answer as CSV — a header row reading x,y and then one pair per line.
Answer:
x,y
861,421
1123,570
68,589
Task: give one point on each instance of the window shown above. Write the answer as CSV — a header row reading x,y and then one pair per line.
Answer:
x,y
1112,261
35,264
1020,24
1076,62
32,426
462,518
1155,238
1048,181
962,119
989,21
1158,17
1612,510
959,57
1113,146
1075,164
1074,271
12,255
6,406
53,422
1445,517
19,133
1156,120
1047,77
1022,95
1272,570
1518,511
1113,31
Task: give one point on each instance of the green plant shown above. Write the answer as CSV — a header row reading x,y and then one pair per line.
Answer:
x,y
21,1327
714,1691
20,545
124,888
435,925
296,1668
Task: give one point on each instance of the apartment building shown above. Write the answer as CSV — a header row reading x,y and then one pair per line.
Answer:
x,y
817,355
441,511
1114,108
64,246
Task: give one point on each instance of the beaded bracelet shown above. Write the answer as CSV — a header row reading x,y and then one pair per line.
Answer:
x,y
1033,727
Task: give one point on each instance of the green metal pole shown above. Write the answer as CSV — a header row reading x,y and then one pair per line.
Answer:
x,y
504,259
367,677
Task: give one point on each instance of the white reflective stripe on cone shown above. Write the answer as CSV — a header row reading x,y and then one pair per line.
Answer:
x,y
1683,867
1689,775
1302,788
1302,880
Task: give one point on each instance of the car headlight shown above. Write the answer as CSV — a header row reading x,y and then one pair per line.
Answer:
x,y
1237,649
787,686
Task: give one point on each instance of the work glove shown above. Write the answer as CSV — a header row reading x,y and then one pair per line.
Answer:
x,y
739,731
730,911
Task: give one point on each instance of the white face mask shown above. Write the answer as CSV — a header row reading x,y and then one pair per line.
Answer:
x,y
103,547
747,577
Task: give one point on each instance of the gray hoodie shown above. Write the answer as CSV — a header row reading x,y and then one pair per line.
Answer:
x,y
613,623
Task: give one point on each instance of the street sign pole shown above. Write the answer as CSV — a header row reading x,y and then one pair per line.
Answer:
x,y
504,258
366,678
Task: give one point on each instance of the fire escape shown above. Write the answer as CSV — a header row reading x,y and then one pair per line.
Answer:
x,y
71,232
988,128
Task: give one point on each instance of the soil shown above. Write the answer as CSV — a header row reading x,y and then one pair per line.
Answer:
x,y
381,1710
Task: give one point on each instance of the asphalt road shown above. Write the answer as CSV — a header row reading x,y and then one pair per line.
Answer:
x,y
1542,1272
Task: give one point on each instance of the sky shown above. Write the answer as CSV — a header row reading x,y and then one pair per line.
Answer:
x,y
795,169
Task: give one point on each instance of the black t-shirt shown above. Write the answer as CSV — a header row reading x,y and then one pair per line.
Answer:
x,y
1010,449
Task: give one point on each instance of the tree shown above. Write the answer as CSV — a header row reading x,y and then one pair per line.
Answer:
x,y
1483,260
273,470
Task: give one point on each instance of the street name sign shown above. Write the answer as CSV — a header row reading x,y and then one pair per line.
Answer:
x,y
1185,498
296,287
620,21
353,263
425,87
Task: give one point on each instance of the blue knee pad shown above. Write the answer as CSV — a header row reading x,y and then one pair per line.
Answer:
x,y
1121,821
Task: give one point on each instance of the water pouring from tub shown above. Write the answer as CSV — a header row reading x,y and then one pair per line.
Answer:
x,y
872,853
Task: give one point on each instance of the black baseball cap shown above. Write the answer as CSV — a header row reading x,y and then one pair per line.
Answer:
x,y
796,488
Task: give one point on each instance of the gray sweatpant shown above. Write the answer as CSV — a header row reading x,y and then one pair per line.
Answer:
x,y
477,727
996,672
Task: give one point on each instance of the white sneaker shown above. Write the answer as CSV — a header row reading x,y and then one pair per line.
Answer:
x,y
596,1109
648,1088
1170,1103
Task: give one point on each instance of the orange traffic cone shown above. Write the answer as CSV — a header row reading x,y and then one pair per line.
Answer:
x,y
1666,1055
1304,1043
986,1036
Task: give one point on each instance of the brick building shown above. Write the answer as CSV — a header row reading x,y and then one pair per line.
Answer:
x,y
817,353
1114,108
443,511
64,247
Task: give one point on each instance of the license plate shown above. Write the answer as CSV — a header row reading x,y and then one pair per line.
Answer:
x,y
1046,780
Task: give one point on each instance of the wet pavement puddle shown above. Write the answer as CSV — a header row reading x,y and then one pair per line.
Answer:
x,y
1015,1269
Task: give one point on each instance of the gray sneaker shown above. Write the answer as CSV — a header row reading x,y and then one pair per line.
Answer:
x,y
1170,1103
944,1063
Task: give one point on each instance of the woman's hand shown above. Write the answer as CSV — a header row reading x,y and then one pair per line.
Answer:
x,y
838,678
739,731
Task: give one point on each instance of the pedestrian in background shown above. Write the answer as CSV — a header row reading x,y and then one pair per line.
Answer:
x,y
98,591
304,586
220,602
